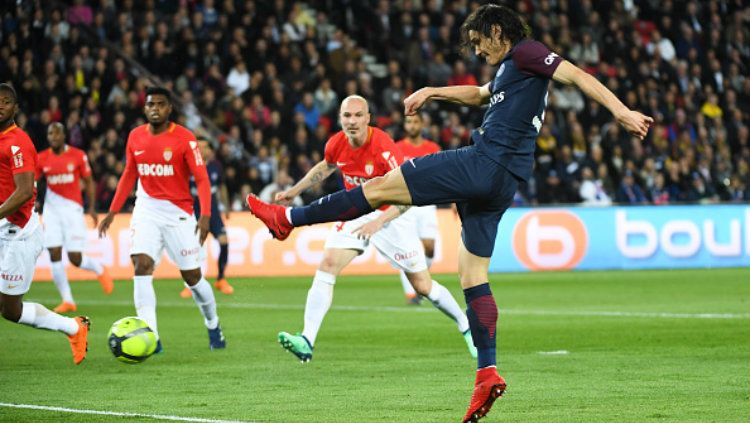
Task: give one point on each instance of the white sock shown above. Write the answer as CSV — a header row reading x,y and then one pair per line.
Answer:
x,y
87,263
319,299
429,261
408,289
36,315
204,298
144,299
442,299
61,281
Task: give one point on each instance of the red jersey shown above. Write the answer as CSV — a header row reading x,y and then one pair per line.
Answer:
x,y
17,155
376,157
411,151
64,171
164,163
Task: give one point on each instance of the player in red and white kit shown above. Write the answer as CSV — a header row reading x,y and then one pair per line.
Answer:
x,y
363,152
21,233
162,156
425,217
64,167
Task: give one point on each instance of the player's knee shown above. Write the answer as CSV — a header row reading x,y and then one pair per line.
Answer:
x,y
55,254
191,277
143,265
75,258
421,282
10,313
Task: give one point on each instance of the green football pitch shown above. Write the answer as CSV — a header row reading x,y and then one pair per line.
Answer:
x,y
645,346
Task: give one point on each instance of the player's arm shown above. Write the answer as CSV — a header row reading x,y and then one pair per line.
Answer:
x,y
316,175
124,187
90,189
634,122
41,190
469,95
369,229
24,191
197,168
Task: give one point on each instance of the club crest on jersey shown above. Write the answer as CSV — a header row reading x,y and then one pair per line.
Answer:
x,y
167,154
369,168
71,166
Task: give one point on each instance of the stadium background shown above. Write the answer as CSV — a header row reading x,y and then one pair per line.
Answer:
x,y
667,345
262,81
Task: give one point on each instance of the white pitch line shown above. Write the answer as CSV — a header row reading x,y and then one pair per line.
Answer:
x,y
116,413
389,309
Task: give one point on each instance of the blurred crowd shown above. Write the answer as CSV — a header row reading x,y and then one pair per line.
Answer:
x,y
263,80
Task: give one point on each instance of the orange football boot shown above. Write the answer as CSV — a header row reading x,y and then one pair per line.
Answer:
x,y
65,307
105,280
79,342
224,286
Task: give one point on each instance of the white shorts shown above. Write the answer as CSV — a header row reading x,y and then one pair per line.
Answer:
x,y
18,256
425,218
64,228
397,241
152,236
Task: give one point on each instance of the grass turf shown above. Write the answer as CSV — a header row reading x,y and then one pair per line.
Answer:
x,y
378,360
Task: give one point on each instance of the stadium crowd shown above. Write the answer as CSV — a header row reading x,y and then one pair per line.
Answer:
x,y
263,81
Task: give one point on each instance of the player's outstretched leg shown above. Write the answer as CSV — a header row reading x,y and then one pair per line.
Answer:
x,y
488,386
38,316
341,205
102,274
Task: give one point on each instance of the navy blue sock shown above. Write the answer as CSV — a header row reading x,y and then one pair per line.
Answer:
x,y
341,205
481,311
223,256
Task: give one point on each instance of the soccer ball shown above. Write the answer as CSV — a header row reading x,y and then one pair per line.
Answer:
x,y
131,340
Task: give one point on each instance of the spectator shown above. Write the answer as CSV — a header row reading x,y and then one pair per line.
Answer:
x,y
592,190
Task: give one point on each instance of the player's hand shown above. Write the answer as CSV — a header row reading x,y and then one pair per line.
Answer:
x,y
104,224
367,230
636,123
226,215
415,101
202,228
284,198
94,216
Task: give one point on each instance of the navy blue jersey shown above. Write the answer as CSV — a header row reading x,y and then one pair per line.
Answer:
x,y
517,102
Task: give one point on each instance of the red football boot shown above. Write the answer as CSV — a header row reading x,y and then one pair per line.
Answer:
x,y
272,215
488,387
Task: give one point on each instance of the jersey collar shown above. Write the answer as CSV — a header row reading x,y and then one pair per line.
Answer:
x,y
8,129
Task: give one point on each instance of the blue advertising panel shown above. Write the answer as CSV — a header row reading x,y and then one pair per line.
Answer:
x,y
646,237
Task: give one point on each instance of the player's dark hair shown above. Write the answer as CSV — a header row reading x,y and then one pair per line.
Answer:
x,y
10,90
513,28
159,91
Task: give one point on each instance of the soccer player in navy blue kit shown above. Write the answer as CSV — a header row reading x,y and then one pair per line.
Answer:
x,y
216,224
482,178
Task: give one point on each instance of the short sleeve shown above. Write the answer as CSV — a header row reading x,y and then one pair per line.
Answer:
x,y
85,168
535,58
330,151
23,156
